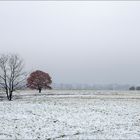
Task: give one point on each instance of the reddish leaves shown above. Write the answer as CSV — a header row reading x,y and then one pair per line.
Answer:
x,y
39,80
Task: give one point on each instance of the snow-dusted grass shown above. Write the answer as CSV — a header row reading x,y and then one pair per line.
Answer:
x,y
71,114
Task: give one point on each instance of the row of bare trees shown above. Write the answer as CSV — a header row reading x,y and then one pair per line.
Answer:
x,y
12,75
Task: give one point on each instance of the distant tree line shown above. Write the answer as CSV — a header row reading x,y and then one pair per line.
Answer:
x,y
134,88
13,76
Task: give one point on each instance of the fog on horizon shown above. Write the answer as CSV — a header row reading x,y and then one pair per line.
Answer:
x,y
75,42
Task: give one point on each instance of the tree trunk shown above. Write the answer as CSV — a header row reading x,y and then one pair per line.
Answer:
x,y
6,90
39,90
10,95
7,95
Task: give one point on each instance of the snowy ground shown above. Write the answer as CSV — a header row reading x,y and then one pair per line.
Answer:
x,y
71,114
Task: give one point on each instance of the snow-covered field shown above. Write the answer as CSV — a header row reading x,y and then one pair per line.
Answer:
x,y
71,114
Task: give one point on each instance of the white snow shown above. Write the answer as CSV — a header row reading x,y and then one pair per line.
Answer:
x,y
71,114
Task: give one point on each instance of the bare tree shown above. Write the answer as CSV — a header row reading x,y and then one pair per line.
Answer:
x,y
11,73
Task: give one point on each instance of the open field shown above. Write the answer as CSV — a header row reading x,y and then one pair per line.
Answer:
x,y
71,114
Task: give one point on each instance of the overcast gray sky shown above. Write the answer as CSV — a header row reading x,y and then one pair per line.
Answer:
x,y
75,42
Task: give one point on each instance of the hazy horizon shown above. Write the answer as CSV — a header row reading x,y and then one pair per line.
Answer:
x,y
75,41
